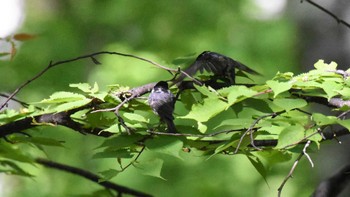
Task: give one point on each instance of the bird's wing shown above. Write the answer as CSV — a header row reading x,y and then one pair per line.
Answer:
x,y
215,63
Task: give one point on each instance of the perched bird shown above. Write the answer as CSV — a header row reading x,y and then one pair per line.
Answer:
x,y
162,102
221,66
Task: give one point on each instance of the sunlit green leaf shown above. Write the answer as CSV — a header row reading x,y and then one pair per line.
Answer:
x,y
321,119
72,105
203,112
290,135
279,87
62,97
289,104
321,65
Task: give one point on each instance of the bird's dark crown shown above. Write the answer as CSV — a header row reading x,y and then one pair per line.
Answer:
x,y
162,84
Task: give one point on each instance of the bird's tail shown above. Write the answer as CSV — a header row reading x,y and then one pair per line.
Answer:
x,y
171,126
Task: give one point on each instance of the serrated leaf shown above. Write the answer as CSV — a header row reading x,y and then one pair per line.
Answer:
x,y
72,105
203,112
320,65
62,97
151,167
101,96
289,104
279,87
345,92
85,87
166,145
207,91
236,93
321,119
290,135
331,88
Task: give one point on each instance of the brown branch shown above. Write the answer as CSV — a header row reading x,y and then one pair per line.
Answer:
x,y
90,176
341,21
293,168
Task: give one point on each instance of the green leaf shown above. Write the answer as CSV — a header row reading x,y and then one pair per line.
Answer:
x,y
289,104
321,119
13,168
237,123
121,141
121,153
345,92
14,154
72,105
331,88
320,65
63,97
258,165
135,118
115,128
279,87
345,123
109,174
290,135
275,156
166,145
203,112
237,93
85,87
207,91
37,140
151,167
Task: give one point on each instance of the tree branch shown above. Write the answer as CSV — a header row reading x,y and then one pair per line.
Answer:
x,y
92,177
341,21
91,56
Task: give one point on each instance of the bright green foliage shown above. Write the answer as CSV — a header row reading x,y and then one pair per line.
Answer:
x,y
210,122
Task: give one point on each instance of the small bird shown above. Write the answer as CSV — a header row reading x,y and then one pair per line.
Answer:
x,y
221,66
162,102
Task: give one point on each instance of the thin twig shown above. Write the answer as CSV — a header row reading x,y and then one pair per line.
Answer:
x,y
193,135
250,129
306,154
293,168
341,21
90,56
136,158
